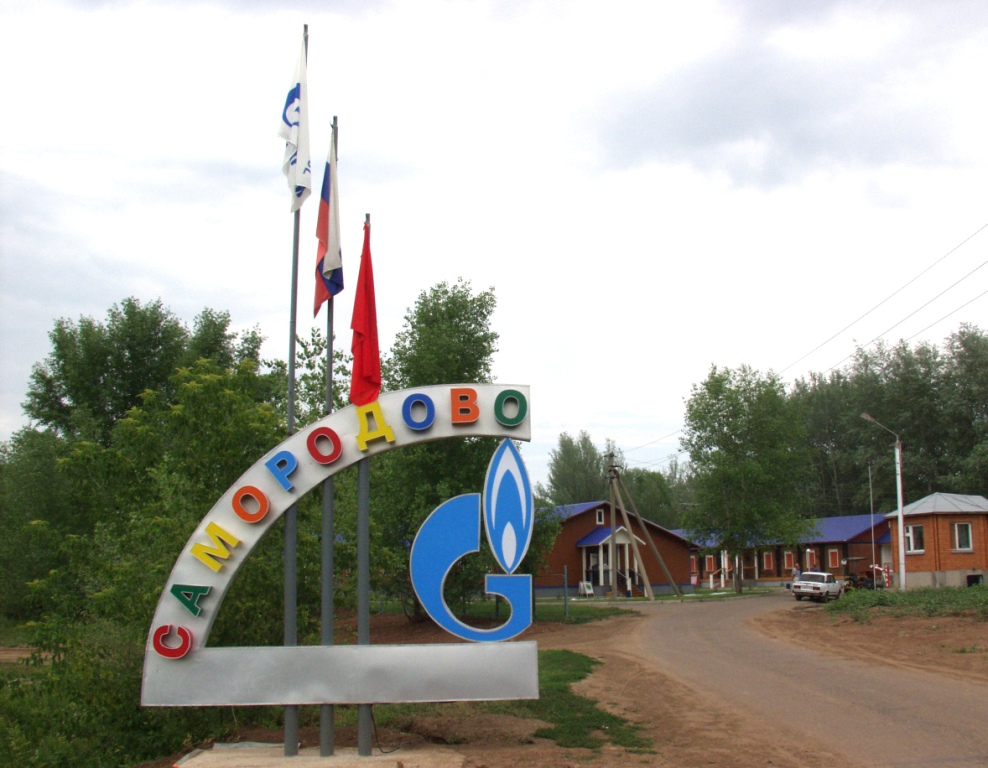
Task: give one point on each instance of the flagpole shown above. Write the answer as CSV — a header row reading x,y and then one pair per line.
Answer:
x,y
326,712
291,524
365,388
364,717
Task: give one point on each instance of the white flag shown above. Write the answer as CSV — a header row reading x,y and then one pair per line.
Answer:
x,y
294,130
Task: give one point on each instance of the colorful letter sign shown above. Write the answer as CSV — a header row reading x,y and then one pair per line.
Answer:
x,y
179,668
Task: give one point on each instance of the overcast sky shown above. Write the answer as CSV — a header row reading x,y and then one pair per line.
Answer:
x,y
650,188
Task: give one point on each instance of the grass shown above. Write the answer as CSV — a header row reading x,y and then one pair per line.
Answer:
x,y
579,613
545,611
575,721
970,649
859,604
723,594
580,610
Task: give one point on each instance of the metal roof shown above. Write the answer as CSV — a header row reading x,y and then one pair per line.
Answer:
x,y
944,504
845,528
601,535
567,511
826,530
598,535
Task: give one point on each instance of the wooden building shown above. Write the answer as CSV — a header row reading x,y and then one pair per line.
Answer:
x,y
582,552
844,546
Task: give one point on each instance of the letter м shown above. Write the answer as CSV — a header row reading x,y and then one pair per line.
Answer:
x,y
211,555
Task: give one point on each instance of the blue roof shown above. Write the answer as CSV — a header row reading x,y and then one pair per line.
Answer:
x,y
598,535
681,533
845,528
827,530
567,511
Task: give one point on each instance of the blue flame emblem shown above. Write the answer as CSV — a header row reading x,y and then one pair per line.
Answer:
x,y
508,507
452,531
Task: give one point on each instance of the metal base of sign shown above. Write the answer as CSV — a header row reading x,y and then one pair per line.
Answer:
x,y
344,674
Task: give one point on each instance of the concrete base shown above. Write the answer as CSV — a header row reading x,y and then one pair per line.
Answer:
x,y
263,756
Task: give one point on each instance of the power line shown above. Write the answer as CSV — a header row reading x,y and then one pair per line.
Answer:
x,y
859,319
656,440
918,309
887,298
954,311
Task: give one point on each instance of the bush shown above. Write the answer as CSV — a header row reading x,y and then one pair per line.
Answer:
x,y
929,601
83,709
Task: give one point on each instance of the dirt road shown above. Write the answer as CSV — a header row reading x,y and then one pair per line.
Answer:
x,y
743,683
872,715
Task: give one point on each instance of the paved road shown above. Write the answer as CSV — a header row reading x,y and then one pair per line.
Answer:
x,y
876,715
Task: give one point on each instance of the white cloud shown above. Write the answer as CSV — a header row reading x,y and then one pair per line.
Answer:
x,y
651,188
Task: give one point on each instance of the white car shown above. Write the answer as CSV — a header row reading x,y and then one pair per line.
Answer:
x,y
818,586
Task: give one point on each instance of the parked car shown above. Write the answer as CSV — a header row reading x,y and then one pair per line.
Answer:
x,y
818,586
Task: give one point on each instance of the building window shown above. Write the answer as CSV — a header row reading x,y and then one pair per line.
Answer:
x,y
914,538
692,563
768,562
811,559
711,564
789,561
834,556
960,536
600,517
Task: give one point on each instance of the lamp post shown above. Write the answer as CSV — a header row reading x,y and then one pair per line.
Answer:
x,y
898,489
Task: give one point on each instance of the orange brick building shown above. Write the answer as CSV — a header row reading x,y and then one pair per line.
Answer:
x,y
946,536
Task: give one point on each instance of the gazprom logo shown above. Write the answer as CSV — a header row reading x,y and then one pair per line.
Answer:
x,y
290,114
452,531
508,507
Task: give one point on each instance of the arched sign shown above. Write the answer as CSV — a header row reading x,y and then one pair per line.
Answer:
x,y
179,668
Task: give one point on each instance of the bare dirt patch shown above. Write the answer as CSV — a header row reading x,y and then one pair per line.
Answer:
x,y
10,655
956,646
686,727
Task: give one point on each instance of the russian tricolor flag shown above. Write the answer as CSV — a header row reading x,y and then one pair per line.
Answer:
x,y
329,256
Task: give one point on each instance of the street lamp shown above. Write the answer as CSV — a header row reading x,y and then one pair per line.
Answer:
x,y
898,489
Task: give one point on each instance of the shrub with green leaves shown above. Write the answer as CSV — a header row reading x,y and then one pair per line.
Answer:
x,y
929,601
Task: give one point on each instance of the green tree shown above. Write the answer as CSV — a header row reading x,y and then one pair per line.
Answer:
x,y
310,379
747,446
652,496
446,334
832,408
35,505
933,397
446,338
965,410
578,471
165,465
97,371
679,479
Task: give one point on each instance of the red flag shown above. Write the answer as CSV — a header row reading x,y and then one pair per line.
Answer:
x,y
365,386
